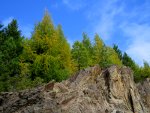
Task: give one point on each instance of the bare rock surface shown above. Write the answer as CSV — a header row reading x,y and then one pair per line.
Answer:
x,y
91,90
144,90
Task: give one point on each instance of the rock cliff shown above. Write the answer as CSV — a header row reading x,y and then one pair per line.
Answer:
x,y
91,90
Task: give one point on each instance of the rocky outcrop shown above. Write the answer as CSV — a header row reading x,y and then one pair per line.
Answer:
x,y
144,90
92,90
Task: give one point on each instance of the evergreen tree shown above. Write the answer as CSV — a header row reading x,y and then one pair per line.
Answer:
x,y
1,34
49,53
146,70
127,61
99,49
118,51
87,44
104,55
111,57
10,50
26,63
65,50
80,55
45,47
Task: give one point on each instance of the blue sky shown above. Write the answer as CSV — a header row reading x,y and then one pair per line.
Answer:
x,y
123,22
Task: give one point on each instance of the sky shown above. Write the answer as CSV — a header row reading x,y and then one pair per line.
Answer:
x,y
122,22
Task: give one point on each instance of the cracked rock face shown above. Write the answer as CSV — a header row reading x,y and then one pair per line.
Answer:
x,y
92,90
144,89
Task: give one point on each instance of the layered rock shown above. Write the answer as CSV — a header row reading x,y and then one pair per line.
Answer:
x,y
144,90
92,90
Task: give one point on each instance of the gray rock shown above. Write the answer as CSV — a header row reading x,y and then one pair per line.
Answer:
x,y
144,90
92,90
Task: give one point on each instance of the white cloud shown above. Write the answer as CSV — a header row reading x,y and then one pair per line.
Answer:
x,y
139,47
103,15
139,51
107,16
112,15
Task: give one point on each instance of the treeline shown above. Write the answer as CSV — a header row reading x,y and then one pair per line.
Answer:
x,y
140,73
46,55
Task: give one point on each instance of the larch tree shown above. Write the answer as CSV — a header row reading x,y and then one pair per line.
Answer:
x,y
111,57
47,58
98,49
80,55
65,51
88,45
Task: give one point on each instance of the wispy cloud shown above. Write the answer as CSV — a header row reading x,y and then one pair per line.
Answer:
x,y
124,20
108,18
103,15
106,23
6,21
139,36
74,4
131,18
137,31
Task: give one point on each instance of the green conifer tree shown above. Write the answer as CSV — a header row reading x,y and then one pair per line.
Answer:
x,y
49,53
10,50
88,45
80,55
118,51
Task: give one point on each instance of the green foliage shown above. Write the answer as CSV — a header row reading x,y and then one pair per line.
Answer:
x,y
80,55
65,52
37,82
140,73
110,57
10,50
89,48
118,51
99,50
27,63
86,54
44,53
30,62
104,55
146,70
143,72
4,82
127,61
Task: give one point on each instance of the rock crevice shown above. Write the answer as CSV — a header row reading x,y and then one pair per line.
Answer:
x,y
91,90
